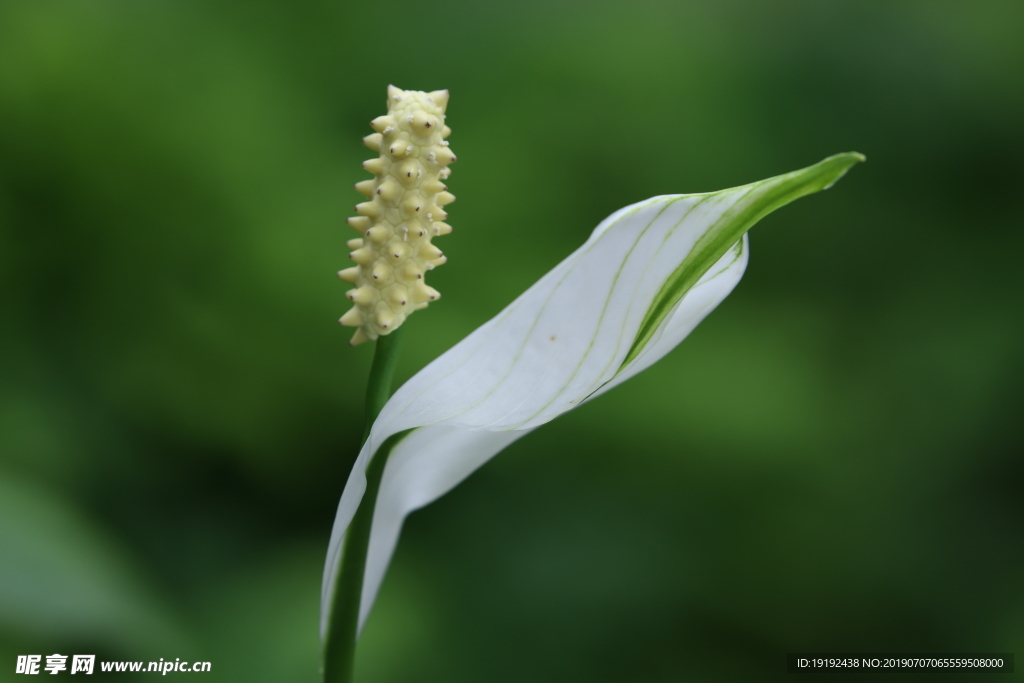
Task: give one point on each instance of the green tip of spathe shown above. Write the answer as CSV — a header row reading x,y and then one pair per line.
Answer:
x,y
836,166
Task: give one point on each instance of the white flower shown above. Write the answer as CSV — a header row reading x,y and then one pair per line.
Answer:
x,y
646,277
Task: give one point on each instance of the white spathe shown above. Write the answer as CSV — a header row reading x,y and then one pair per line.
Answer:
x,y
559,344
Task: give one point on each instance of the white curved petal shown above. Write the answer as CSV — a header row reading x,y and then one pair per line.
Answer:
x,y
434,459
560,343
543,355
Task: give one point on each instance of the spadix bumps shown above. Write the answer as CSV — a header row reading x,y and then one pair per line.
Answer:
x,y
403,211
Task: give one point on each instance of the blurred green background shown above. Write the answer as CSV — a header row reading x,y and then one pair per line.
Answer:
x,y
831,462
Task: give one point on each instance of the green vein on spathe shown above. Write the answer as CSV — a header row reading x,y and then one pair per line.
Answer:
x,y
768,195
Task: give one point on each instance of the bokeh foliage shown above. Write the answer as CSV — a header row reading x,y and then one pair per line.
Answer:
x,y
831,462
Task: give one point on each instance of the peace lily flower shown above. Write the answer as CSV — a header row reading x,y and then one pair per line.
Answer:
x,y
646,277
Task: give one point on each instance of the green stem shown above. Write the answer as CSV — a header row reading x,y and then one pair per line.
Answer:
x,y
343,625
378,387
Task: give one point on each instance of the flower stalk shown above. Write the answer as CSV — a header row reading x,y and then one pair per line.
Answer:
x,y
339,646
